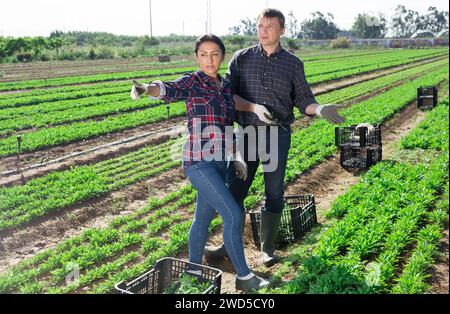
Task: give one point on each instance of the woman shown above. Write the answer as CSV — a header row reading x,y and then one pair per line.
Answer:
x,y
210,109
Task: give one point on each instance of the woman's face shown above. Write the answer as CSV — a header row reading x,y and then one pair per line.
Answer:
x,y
209,56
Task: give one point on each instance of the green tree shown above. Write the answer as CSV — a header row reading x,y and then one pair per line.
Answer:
x,y
435,21
292,44
37,44
92,55
237,40
404,22
319,27
55,43
246,27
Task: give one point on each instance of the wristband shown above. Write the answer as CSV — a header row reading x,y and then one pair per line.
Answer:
x,y
319,109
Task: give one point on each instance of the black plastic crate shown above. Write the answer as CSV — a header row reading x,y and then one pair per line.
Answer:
x,y
165,272
358,136
427,97
355,158
298,217
360,147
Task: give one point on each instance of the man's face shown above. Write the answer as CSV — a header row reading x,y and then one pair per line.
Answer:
x,y
269,30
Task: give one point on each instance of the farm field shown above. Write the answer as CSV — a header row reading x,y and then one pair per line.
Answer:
x,y
111,212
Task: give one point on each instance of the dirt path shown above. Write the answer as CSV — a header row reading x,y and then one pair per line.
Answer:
x,y
326,181
28,159
439,273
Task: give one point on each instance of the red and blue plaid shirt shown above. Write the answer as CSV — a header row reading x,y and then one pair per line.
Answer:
x,y
209,111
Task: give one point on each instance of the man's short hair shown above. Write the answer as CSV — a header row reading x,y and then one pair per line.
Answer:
x,y
271,13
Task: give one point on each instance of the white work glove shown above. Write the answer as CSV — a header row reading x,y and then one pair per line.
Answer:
x,y
329,112
137,90
263,114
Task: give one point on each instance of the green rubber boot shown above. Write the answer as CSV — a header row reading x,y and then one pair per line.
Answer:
x,y
269,231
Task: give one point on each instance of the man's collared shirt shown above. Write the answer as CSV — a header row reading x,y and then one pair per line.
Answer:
x,y
277,82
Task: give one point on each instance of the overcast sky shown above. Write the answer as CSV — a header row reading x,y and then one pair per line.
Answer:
x,y
40,17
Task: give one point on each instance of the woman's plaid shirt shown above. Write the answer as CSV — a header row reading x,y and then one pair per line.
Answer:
x,y
209,111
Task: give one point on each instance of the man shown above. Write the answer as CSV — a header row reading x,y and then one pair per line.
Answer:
x,y
268,82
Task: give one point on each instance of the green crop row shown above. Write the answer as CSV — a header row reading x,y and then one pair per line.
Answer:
x,y
122,244
40,116
75,92
62,98
20,204
432,133
50,137
94,107
311,145
400,57
108,107
95,244
91,78
380,217
381,114
342,95
360,253
416,273
373,62
84,130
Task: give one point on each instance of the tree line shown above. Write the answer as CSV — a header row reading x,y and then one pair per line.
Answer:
x,y
403,24
77,45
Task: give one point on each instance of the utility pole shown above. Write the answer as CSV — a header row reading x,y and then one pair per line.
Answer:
x,y
208,17
150,8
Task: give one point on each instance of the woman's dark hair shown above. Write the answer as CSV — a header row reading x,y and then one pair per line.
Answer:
x,y
211,38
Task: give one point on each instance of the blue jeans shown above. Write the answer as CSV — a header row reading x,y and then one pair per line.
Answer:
x,y
273,180
208,178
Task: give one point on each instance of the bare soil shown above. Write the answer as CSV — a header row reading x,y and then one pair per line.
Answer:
x,y
439,273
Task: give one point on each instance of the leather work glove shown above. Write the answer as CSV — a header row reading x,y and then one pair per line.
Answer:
x,y
263,114
240,167
138,89
329,112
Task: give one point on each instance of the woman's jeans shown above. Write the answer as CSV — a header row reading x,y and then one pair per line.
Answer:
x,y
208,178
